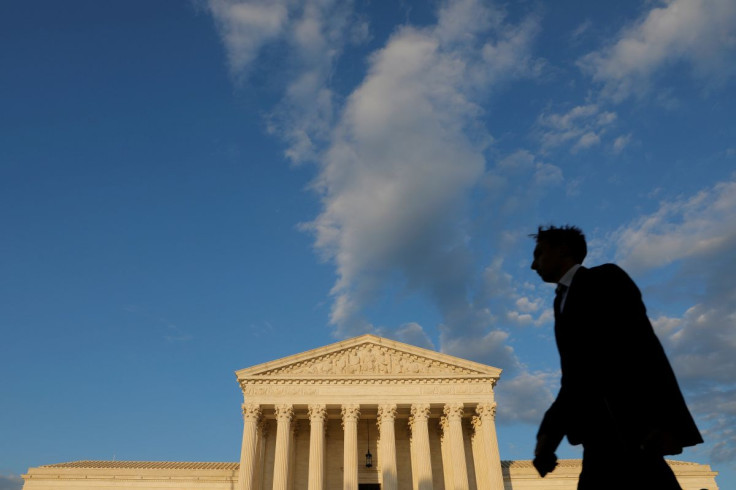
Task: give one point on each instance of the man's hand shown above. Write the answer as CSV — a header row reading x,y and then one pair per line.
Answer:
x,y
545,459
545,463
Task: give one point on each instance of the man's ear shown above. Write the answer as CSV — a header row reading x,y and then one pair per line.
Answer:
x,y
565,251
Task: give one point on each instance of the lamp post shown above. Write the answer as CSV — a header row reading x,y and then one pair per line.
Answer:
x,y
368,455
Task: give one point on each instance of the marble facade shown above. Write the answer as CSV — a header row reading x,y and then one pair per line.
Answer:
x,y
432,417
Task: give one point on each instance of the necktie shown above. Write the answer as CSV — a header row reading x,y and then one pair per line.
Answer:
x,y
559,294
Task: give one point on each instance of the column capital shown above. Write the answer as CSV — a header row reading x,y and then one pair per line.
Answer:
x,y
419,412
251,412
386,412
284,412
454,410
350,413
486,410
317,412
476,422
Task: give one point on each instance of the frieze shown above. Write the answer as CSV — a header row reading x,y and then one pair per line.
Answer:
x,y
369,359
250,390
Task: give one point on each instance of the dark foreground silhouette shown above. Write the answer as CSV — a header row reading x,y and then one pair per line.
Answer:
x,y
618,395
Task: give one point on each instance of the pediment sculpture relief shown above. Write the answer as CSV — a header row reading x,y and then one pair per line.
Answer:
x,y
368,359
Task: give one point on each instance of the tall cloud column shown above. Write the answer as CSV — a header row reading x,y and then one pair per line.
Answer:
x,y
251,417
387,455
317,416
350,416
284,415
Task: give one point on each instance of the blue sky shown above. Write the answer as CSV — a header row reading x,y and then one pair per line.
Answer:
x,y
189,188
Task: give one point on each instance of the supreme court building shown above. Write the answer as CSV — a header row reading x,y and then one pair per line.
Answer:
x,y
366,413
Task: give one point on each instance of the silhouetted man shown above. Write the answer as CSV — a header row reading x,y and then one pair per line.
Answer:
x,y
618,395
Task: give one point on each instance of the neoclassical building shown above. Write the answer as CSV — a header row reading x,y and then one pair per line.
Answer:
x,y
362,414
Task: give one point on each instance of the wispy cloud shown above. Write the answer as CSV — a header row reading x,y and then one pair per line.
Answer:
x,y
526,397
176,334
312,35
698,33
692,227
582,127
11,482
519,179
620,143
247,26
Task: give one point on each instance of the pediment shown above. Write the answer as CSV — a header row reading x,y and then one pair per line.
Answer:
x,y
368,356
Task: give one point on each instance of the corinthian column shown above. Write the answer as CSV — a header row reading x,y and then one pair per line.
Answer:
x,y
454,414
487,415
284,414
317,416
480,458
446,456
420,446
387,453
350,416
261,454
251,417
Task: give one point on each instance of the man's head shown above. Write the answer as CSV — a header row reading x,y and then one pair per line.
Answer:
x,y
557,250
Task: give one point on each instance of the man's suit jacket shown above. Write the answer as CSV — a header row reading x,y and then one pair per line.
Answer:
x,y
616,379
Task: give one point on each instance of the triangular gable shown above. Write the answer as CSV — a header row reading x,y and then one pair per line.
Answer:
x,y
368,355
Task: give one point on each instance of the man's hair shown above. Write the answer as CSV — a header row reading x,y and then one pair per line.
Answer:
x,y
565,236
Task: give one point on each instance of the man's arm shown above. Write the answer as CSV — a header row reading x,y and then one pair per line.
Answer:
x,y
550,434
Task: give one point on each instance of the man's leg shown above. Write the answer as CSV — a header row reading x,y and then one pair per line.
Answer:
x,y
601,469
611,467
654,472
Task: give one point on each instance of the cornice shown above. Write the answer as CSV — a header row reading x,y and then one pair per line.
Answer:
x,y
366,380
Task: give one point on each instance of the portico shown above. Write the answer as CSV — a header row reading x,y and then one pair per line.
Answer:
x,y
428,418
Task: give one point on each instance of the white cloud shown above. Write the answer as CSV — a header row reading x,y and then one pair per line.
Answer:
x,y
703,342
402,159
491,348
519,160
523,172
510,301
581,30
581,127
312,34
694,226
528,305
717,407
700,33
621,142
11,482
412,333
245,27
525,397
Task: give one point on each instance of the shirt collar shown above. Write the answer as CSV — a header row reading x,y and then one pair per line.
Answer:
x,y
566,279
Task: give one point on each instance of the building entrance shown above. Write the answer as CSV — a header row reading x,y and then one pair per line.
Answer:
x,y
369,486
